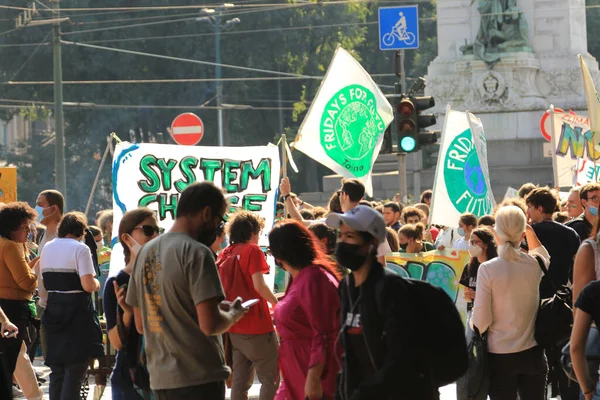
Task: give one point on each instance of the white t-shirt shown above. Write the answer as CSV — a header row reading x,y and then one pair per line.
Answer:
x,y
47,238
507,301
461,244
66,256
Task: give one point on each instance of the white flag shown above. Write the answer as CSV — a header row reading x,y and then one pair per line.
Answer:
x,y
462,183
344,126
593,102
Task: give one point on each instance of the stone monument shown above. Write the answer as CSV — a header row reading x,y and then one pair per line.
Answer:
x,y
506,61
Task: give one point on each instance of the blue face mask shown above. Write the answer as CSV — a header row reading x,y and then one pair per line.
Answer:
x,y
461,231
224,244
39,210
594,211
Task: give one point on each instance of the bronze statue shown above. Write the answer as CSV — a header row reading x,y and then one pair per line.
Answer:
x,y
503,29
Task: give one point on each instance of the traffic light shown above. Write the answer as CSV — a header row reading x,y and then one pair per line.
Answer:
x,y
386,145
425,137
406,125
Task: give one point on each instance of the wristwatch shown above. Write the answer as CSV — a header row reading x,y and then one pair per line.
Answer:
x,y
287,196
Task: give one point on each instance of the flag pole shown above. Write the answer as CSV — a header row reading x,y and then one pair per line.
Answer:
x,y
553,142
106,151
284,167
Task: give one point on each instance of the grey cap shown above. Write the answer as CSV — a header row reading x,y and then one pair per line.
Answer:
x,y
362,219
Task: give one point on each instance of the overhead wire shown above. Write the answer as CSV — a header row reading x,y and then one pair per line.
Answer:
x,y
188,60
237,32
236,107
128,26
132,19
31,56
15,8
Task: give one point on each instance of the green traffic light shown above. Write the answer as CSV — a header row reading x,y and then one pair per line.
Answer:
x,y
408,144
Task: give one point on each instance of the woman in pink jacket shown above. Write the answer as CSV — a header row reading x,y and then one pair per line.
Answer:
x,y
307,318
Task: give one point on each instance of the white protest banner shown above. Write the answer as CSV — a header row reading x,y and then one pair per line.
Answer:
x,y
573,153
461,181
154,175
344,126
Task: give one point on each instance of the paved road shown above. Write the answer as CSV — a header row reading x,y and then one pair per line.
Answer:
x,y
446,393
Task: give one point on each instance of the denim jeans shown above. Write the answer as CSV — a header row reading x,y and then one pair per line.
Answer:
x,y
66,379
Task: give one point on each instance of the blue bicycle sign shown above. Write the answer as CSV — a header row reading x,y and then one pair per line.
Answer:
x,y
398,28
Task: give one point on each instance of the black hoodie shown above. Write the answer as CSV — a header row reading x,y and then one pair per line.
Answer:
x,y
381,360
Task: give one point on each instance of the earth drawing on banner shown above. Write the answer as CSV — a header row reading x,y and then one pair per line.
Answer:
x,y
351,128
464,177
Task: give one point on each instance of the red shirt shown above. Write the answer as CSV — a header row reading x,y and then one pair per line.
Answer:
x,y
252,260
434,233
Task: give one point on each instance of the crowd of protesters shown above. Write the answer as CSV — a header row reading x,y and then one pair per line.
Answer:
x,y
178,317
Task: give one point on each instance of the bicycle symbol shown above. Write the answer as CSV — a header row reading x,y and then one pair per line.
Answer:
x,y
403,36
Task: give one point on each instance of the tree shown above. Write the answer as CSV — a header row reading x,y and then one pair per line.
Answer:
x,y
288,39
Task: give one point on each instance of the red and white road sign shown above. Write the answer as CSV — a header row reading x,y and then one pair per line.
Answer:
x,y
545,124
187,129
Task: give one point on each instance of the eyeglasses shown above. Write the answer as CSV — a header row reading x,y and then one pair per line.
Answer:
x,y
593,198
475,242
148,230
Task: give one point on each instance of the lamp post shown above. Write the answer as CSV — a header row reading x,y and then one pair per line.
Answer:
x,y
215,21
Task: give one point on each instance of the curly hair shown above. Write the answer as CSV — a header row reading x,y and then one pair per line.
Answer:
x,y
12,216
408,212
242,225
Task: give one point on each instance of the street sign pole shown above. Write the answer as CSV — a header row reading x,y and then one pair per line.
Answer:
x,y
399,30
402,177
402,156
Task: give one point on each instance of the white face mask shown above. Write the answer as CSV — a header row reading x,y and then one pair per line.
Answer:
x,y
136,247
474,250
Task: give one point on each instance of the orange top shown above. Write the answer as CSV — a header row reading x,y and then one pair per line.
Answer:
x,y
17,280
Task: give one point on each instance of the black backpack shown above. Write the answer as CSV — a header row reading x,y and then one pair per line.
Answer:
x,y
441,331
554,320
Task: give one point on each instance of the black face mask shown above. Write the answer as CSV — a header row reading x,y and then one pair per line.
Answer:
x,y
348,255
404,246
207,236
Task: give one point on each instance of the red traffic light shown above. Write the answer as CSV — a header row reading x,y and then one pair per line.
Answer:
x,y
406,108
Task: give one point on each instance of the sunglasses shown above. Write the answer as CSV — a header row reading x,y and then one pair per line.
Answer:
x,y
148,230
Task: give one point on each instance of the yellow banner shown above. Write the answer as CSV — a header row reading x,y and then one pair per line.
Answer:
x,y
8,184
440,268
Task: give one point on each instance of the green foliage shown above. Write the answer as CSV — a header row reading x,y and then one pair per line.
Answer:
x,y
294,42
593,29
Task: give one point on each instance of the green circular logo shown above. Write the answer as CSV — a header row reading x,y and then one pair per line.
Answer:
x,y
465,181
351,127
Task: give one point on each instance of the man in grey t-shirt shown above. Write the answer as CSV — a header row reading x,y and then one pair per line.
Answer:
x,y
177,298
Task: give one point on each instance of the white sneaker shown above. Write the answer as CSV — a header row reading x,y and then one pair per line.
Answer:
x,y
17,393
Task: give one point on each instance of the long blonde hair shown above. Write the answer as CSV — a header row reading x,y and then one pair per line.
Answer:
x,y
510,226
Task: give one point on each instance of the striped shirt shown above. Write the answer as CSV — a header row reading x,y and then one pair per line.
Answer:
x,y
63,262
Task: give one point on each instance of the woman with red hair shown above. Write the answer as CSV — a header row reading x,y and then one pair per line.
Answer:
x,y
307,318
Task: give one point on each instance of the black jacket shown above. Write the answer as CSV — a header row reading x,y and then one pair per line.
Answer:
x,y
390,335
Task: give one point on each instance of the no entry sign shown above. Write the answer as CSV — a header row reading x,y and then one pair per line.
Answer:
x,y
187,129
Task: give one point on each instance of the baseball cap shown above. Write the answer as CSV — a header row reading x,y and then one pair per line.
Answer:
x,y
362,219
